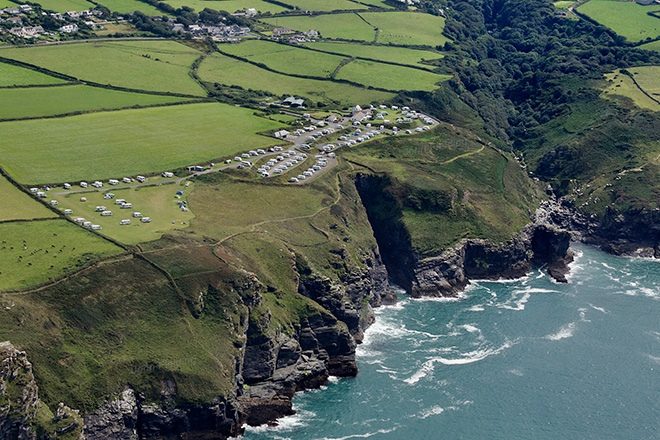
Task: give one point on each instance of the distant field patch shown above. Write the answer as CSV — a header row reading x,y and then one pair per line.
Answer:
x,y
228,5
130,6
38,251
65,5
347,26
11,75
324,5
401,55
389,77
654,45
626,18
157,202
564,4
111,144
375,3
228,71
286,59
648,78
16,205
162,66
622,85
407,28
48,101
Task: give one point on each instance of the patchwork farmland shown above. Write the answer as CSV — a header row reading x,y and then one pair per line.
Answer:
x,y
93,122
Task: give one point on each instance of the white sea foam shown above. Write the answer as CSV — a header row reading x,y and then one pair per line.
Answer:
x,y
442,299
333,379
284,424
433,411
520,297
365,435
476,308
655,359
564,332
575,266
516,372
600,309
464,358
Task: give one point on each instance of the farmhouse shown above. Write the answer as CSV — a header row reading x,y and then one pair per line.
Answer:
x,y
69,28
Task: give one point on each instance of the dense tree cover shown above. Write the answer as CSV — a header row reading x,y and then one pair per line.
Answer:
x,y
514,59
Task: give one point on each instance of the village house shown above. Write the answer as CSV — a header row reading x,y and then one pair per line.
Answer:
x,y
27,31
69,28
293,102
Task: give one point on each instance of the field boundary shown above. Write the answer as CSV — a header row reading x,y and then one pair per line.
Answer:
x,y
639,87
102,110
92,83
316,78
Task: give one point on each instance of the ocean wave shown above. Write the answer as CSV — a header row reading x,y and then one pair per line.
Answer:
x,y
600,309
365,435
575,266
300,419
476,308
464,358
643,291
520,297
441,299
655,359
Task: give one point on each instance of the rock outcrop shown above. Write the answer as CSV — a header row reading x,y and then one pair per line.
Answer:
x,y
19,394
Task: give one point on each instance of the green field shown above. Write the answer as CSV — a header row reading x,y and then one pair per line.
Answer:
x,y
48,101
130,6
375,3
564,4
228,71
407,28
162,66
626,18
11,75
37,251
647,78
228,5
157,202
347,26
654,45
16,205
622,85
111,144
392,54
389,77
325,5
65,5
286,59
6,4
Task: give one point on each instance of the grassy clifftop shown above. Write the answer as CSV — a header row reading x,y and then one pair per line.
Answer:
x,y
449,184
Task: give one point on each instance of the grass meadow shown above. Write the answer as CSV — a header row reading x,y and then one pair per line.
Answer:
x,y
626,18
622,85
11,76
37,251
161,66
48,101
110,144
16,205
286,59
129,6
65,5
389,77
325,5
392,54
407,28
228,5
347,26
228,71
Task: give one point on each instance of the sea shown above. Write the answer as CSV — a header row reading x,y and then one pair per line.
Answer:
x,y
524,359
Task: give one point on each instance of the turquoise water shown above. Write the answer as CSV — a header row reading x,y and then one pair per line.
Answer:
x,y
529,359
